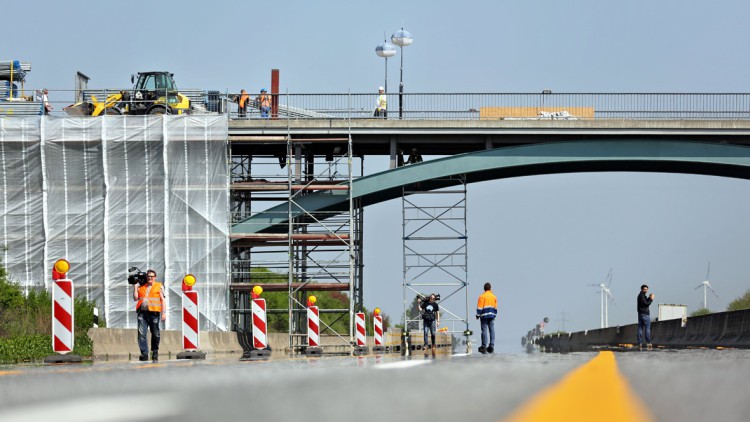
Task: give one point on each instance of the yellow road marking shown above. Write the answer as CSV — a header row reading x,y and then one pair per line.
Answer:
x,y
11,372
595,391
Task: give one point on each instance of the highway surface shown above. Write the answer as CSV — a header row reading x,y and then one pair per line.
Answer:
x,y
661,385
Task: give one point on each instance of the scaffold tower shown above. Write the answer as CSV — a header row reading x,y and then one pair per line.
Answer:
x,y
435,254
305,251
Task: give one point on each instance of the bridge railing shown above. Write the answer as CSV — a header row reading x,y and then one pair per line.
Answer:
x,y
516,106
443,106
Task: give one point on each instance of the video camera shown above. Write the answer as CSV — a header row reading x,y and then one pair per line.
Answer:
x,y
135,275
426,298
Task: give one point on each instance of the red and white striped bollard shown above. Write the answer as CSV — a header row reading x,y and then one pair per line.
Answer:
x,y
63,315
377,330
260,339
260,349
359,322
190,321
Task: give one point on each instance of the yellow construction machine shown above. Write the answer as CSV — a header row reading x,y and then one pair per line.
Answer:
x,y
152,93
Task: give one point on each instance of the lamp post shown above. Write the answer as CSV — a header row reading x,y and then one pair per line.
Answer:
x,y
385,50
401,38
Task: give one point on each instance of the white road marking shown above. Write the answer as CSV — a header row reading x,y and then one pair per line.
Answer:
x,y
99,409
402,364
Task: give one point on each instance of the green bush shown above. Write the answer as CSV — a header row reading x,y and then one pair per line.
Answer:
x,y
26,331
740,303
25,348
701,311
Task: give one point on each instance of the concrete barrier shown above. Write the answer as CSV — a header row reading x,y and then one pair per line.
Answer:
x,y
122,343
720,329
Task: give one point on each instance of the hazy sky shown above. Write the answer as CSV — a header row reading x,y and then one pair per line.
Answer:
x,y
540,240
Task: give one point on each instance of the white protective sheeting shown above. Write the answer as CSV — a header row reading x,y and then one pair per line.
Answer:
x,y
114,192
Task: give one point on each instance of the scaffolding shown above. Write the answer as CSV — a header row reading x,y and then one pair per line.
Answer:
x,y
305,251
110,193
435,253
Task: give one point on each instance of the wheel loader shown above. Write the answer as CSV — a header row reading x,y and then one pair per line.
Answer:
x,y
152,93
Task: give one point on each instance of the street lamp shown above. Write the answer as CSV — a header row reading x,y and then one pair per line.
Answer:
x,y
401,38
385,50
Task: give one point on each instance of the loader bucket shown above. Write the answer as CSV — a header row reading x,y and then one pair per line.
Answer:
x,y
79,109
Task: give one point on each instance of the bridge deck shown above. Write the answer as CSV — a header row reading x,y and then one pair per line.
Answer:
x,y
447,137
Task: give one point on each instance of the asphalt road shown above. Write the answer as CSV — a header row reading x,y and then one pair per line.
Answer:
x,y
688,385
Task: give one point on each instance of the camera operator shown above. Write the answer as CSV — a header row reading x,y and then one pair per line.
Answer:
x,y
431,319
150,306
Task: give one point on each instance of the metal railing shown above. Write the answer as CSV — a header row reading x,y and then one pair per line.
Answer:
x,y
516,106
446,106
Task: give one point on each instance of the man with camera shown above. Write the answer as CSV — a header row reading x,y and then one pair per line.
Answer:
x,y
149,297
644,317
430,318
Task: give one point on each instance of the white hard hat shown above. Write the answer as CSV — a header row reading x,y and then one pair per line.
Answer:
x,y
380,88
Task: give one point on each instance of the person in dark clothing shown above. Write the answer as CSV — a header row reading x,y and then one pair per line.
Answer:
x,y
242,100
431,318
644,317
414,157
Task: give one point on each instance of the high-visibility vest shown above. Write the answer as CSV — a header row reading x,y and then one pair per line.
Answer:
x,y
264,101
153,300
243,99
487,305
382,102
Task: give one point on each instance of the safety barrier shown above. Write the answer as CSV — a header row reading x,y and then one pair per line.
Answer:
x,y
118,344
452,106
721,329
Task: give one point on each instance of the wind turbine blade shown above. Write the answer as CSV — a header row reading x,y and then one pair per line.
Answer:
x,y
712,290
699,286
708,271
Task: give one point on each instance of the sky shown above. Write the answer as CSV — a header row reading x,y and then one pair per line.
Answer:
x,y
540,240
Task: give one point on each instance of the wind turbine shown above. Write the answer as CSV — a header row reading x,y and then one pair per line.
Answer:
x,y
706,286
606,296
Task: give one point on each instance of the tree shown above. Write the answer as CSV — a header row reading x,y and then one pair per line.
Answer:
x,y
740,303
701,311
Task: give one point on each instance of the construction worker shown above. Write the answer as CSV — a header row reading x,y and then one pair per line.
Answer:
x,y
381,106
486,314
149,306
242,100
42,96
264,102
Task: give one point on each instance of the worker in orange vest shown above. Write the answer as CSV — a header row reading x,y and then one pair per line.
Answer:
x,y
486,314
150,307
264,102
242,100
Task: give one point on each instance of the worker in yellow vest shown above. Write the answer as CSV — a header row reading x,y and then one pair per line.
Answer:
x,y
150,307
381,106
